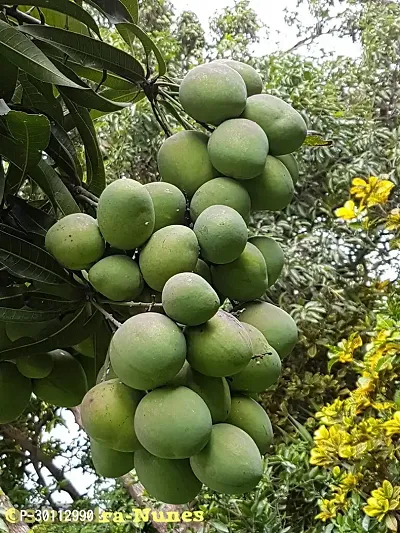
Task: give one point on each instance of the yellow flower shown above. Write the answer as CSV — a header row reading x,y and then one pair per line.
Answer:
x,y
393,426
393,220
372,191
328,510
383,500
348,212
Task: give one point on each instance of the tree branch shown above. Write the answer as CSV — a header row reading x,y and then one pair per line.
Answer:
x,y
20,438
19,527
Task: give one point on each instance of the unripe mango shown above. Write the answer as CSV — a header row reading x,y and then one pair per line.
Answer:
x,y
107,413
125,214
169,204
214,391
264,368
238,148
251,77
66,384
273,256
248,415
147,351
221,233
277,326
183,161
173,423
35,366
213,93
108,462
117,277
203,270
230,463
15,392
75,241
284,126
273,189
243,279
188,299
220,347
170,250
291,164
221,191
170,481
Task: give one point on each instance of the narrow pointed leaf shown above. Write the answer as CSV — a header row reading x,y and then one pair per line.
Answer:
x,y
61,147
91,52
96,177
64,6
114,10
130,30
71,330
87,97
132,7
39,95
9,77
127,96
26,315
44,302
96,75
2,181
30,219
12,297
27,260
52,185
23,53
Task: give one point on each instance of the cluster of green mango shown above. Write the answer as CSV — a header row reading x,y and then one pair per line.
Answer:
x,y
177,397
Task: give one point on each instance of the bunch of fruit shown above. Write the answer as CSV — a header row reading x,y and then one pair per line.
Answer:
x,y
176,397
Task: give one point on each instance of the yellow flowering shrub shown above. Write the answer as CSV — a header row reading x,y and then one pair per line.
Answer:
x,y
359,433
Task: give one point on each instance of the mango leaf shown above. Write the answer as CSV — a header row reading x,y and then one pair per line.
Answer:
x,y
64,6
8,79
39,95
72,330
61,148
101,342
132,7
30,135
12,296
315,139
26,315
2,181
127,96
129,30
114,10
23,53
52,185
96,75
30,219
96,177
27,260
46,302
87,98
64,291
90,52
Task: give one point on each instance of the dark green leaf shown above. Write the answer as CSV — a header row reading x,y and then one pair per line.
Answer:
x,y
2,181
101,342
92,74
114,10
45,302
62,148
30,135
27,260
64,6
130,30
72,330
31,219
64,291
89,51
12,297
52,185
26,315
87,97
9,76
127,96
23,53
133,7
39,95
96,177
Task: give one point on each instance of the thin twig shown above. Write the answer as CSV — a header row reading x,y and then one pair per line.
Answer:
x,y
84,192
86,200
131,304
107,315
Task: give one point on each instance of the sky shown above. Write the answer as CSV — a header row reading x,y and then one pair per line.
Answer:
x,y
281,37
